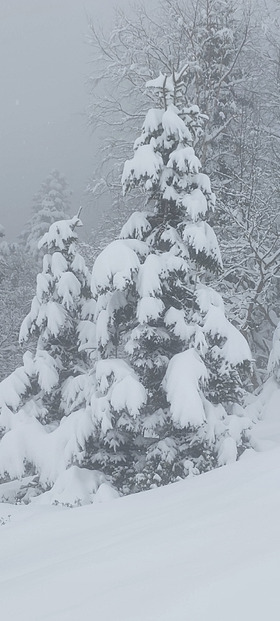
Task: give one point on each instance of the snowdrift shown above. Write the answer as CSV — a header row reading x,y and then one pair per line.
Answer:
x,y
206,548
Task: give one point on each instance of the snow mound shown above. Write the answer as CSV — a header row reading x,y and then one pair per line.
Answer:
x,y
77,486
205,548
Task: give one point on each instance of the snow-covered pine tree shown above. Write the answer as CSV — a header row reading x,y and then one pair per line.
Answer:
x,y
50,204
169,377
42,426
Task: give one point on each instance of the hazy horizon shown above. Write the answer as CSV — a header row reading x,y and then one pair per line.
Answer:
x,y
45,60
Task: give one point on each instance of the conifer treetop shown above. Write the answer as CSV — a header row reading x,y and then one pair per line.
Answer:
x,y
166,167
50,204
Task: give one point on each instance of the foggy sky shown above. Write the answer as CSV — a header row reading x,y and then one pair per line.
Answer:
x,y
44,62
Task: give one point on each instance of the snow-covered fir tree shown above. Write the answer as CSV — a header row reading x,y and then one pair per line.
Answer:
x,y
42,426
169,375
50,204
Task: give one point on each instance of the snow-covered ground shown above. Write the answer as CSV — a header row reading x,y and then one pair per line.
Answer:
x,y
206,549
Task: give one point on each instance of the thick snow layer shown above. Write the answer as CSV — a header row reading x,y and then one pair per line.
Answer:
x,y
195,203
145,164
126,392
203,182
174,126
76,486
50,314
236,349
202,238
206,548
59,232
54,315
181,382
206,297
13,387
152,120
116,264
136,225
149,308
102,332
45,369
161,81
58,264
87,335
76,390
27,325
154,269
149,276
184,160
176,319
68,288
44,282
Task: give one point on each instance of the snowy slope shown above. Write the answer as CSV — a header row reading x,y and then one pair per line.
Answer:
x,y
204,549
